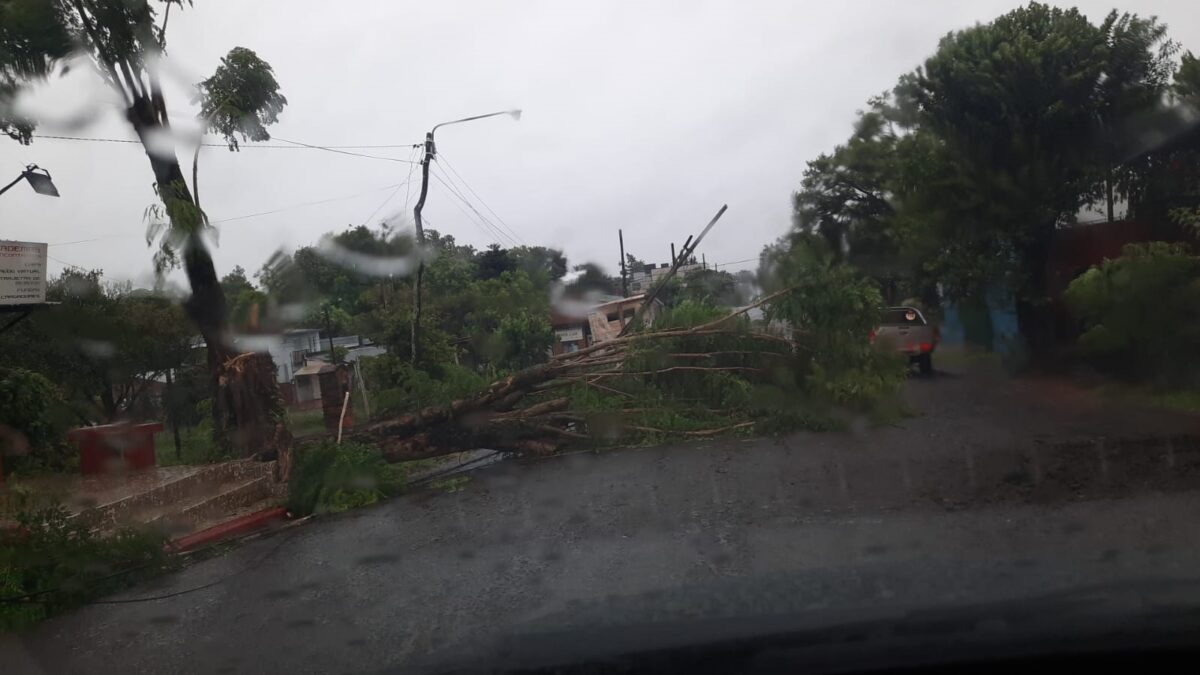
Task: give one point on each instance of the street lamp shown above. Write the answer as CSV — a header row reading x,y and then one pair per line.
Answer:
x,y
40,182
430,152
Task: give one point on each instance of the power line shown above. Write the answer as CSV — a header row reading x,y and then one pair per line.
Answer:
x,y
450,166
241,146
454,191
407,182
484,219
733,262
296,206
501,237
343,152
397,186
64,262
408,190
482,228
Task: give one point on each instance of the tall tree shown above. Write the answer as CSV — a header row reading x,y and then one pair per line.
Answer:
x,y
124,38
494,261
539,262
1015,102
1138,66
849,197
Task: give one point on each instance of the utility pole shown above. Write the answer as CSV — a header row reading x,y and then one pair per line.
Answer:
x,y
430,152
416,317
329,331
672,253
624,277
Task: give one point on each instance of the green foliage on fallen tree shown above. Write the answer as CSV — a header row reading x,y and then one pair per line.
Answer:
x,y
328,478
832,309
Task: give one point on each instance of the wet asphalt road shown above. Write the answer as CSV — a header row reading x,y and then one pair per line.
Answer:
x,y
967,501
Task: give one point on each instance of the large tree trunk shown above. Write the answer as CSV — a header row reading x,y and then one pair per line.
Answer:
x,y
1035,317
1108,194
247,407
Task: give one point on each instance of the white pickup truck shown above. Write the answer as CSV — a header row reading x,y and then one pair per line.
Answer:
x,y
907,330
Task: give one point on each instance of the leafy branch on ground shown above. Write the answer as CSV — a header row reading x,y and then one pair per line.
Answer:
x,y
50,562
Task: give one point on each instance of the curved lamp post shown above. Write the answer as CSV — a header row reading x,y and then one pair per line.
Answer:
x,y
39,180
430,152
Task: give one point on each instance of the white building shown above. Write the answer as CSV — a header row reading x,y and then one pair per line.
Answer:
x,y
288,350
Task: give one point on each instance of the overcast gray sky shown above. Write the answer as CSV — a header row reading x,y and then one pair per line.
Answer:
x,y
645,116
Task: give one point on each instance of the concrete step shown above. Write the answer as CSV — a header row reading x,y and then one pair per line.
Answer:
x,y
182,518
226,524
172,496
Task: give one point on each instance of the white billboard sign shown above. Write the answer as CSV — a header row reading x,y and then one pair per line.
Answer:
x,y
22,272
569,334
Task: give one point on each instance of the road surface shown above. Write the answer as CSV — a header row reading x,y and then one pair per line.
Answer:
x,y
995,489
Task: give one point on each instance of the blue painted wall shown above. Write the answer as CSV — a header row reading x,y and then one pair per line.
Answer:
x,y
1001,313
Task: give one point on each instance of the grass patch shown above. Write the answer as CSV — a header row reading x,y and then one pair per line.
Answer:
x,y
304,423
1177,400
195,446
196,443
50,563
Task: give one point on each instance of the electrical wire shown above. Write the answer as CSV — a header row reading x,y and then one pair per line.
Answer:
x,y
408,191
407,182
733,262
29,597
442,157
482,228
297,206
64,262
396,186
482,218
240,145
253,564
343,152
501,237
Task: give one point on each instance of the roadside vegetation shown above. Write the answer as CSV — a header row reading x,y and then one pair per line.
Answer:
x,y
50,563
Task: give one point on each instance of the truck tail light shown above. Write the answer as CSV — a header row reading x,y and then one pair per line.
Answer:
x,y
926,347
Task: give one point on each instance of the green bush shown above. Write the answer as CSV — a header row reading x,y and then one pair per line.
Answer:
x,y
327,478
1140,313
51,562
33,421
521,341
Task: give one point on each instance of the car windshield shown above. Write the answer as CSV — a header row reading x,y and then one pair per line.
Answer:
x,y
569,335
901,317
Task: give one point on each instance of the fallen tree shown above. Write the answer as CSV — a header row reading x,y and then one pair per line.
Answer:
x,y
695,372
537,410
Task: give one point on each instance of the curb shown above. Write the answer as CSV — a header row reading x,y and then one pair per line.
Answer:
x,y
241,525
